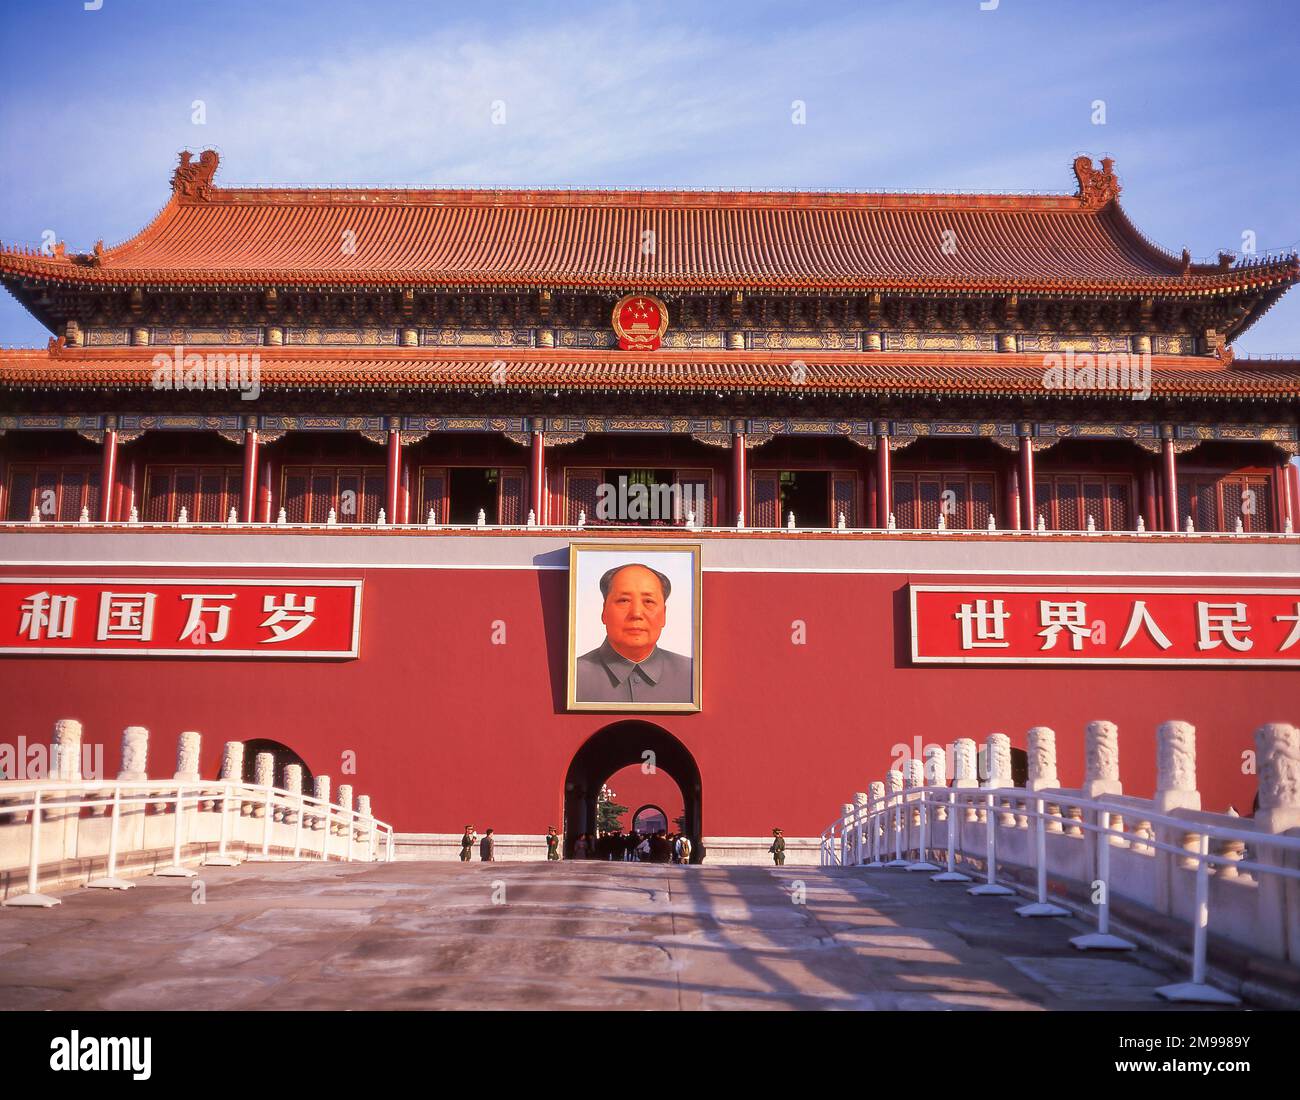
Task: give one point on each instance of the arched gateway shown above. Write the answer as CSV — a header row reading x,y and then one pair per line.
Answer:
x,y
614,747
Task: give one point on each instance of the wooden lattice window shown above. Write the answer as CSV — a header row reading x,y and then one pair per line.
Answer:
x,y
964,500
57,492
1067,500
1216,501
207,493
356,493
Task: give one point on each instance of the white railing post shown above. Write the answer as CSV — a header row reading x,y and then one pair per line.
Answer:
x,y
846,812
859,811
222,859
1197,991
1042,907
267,809
34,898
876,817
1102,940
990,887
110,881
894,787
997,756
297,828
176,870
951,874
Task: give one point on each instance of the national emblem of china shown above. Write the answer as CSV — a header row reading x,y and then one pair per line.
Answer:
x,y
640,321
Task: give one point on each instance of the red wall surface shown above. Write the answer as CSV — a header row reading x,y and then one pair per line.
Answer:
x,y
448,727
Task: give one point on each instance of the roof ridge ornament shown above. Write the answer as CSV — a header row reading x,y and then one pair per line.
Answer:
x,y
1096,188
193,179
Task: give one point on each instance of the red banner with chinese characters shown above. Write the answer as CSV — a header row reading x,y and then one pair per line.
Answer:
x,y
179,617
1080,625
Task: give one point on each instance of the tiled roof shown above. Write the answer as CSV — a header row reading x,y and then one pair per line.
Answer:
x,y
534,369
645,240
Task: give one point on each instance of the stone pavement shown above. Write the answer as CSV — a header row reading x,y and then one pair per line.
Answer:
x,y
565,935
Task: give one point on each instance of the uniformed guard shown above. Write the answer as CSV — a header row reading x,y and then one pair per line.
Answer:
x,y
552,843
467,844
778,848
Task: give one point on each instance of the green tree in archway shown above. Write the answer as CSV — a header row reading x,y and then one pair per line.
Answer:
x,y
609,813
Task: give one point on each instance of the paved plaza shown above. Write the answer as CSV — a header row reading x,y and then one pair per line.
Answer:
x,y
565,935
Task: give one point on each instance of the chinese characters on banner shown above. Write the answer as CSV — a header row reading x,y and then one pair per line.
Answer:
x,y
179,617
995,624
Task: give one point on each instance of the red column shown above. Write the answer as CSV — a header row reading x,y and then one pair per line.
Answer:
x,y
265,492
872,507
739,479
1150,504
1285,502
537,473
249,495
126,500
108,476
1170,479
884,482
1028,520
1293,494
404,504
394,474
1012,502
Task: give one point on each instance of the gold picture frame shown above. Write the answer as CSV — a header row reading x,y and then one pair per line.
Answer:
x,y
657,555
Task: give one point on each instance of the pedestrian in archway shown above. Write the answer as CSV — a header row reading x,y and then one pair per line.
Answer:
x,y
778,848
487,848
552,844
467,844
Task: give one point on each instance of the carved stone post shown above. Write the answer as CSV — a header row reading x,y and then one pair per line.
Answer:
x,y
1042,769
1101,766
893,786
964,770
263,776
913,777
936,775
187,757
232,768
876,792
1277,752
859,824
344,799
135,753
321,791
65,751
1175,790
65,767
292,784
997,749
187,763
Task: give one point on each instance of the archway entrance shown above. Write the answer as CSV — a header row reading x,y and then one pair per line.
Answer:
x,y
650,819
614,747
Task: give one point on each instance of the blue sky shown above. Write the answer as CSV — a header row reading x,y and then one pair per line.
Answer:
x,y
1201,105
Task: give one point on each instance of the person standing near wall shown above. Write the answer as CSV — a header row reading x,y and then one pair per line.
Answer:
x,y
467,844
778,848
487,848
552,844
